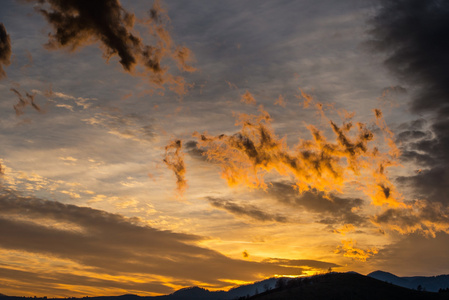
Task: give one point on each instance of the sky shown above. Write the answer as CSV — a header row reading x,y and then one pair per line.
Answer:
x,y
150,146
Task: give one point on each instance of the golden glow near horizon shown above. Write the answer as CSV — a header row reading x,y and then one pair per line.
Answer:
x,y
216,148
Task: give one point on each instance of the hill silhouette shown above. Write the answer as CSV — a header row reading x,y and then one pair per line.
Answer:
x,y
430,283
344,286
331,286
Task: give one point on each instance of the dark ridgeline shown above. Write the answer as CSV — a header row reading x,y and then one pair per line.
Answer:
x,y
344,286
331,286
429,283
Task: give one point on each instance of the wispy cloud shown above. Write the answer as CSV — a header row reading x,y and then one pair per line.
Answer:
x,y
246,210
248,98
24,102
83,103
174,159
130,126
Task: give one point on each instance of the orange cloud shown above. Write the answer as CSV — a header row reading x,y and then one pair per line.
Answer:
x,y
306,97
349,250
346,228
419,216
174,159
248,98
280,101
255,151
388,134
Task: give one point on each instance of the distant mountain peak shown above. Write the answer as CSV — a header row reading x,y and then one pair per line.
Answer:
x,y
430,283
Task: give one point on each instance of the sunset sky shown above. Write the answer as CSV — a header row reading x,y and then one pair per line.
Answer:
x,y
150,146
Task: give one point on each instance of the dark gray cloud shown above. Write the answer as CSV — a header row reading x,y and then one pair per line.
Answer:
x,y
5,50
250,211
24,102
412,135
77,23
112,244
413,35
332,209
192,149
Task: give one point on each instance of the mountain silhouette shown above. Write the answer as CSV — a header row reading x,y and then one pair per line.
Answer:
x,y
430,283
331,286
344,286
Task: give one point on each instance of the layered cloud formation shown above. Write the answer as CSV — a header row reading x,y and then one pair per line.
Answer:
x,y
115,248
331,162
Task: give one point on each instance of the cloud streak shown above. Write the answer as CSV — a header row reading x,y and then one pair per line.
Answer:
x,y
24,102
250,211
332,209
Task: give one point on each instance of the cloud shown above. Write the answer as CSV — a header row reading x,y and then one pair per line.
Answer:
x,y
332,209
248,98
5,50
83,103
308,99
317,164
250,211
24,102
280,101
106,247
78,23
301,263
192,149
421,216
350,250
346,228
174,159
413,36
127,126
